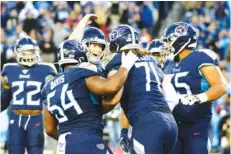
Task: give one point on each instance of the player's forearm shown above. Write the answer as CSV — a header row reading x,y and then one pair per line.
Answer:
x,y
5,99
113,99
216,91
77,34
110,101
124,123
53,134
107,108
116,81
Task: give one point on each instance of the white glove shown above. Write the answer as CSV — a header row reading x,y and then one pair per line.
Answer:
x,y
190,100
128,60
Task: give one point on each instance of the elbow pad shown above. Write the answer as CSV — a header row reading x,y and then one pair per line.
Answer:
x,y
6,98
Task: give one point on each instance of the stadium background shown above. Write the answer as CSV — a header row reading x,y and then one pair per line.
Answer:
x,y
51,22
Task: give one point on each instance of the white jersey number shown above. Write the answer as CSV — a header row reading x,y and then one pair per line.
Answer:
x,y
72,103
149,68
30,94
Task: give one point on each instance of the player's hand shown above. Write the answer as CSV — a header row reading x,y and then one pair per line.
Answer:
x,y
128,60
124,140
88,18
190,100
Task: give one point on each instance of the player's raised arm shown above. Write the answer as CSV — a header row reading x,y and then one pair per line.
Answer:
x,y
77,34
114,83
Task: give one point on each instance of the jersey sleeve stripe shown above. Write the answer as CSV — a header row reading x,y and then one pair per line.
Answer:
x,y
204,64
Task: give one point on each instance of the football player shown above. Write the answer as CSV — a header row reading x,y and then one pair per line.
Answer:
x,y
93,38
142,100
198,79
69,102
158,49
22,83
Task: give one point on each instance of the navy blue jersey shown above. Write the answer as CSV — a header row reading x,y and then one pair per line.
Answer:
x,y
100,69
69,100
168,66
187,79
26,84
142,89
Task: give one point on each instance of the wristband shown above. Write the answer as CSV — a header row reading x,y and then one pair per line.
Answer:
x,y
202,97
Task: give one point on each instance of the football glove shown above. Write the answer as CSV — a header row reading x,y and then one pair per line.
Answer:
x,y
124,140
194,99
128,60
190,100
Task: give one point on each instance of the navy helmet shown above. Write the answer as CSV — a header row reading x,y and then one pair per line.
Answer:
x,y
72,52
94,35
157,46
180,36
123,37
27,51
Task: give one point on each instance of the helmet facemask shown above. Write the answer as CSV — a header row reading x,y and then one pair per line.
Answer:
x,y
27,57
176,45
180,36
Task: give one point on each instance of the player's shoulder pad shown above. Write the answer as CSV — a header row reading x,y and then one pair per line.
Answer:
x,y
6,67
10,65
49,65
88,66
209,53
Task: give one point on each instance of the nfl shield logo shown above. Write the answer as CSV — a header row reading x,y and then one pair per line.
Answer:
x,y
100,146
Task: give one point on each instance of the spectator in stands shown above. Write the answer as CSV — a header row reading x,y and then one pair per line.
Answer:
x,y
147,18
47,47
29,8
62,11
60,33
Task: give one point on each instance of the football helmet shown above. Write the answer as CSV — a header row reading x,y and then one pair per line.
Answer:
x,y
94,35
158,49
27,51
123,37
180,36
72,52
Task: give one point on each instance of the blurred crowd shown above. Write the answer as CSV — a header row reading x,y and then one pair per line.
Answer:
x,y
51,22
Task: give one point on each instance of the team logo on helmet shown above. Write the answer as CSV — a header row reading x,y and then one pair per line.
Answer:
x,y
182,29
80,47
117,33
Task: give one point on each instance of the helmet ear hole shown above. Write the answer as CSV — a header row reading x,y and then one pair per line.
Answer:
x,y
114,47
